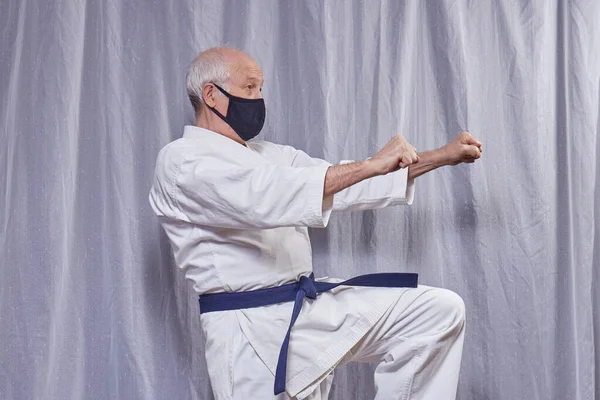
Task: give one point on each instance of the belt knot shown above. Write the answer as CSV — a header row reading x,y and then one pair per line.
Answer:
x,y
307,285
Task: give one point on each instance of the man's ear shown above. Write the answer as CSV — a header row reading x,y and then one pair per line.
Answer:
x,y
209,93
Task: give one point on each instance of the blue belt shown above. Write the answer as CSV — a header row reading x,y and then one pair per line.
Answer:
x,y
296,292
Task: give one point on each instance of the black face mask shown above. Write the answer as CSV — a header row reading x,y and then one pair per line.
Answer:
x,y
245,116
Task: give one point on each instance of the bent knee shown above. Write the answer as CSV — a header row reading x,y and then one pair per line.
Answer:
x,y
448,306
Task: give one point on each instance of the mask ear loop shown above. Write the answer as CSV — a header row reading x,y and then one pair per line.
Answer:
x,y
222,90
223,117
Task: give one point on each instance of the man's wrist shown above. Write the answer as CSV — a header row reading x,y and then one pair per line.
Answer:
x,y
371,168
442,157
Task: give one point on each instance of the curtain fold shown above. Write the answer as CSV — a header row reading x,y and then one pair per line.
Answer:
x,y
91,303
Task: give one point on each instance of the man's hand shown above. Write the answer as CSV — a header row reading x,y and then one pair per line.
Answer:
x,y
463,148
396,154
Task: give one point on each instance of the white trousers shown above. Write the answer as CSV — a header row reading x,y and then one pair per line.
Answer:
x,y
417,346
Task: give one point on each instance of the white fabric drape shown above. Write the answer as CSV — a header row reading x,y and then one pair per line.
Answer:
x,y
91,305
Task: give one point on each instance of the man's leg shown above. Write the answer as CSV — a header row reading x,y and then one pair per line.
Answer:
x,y
253,380
417,345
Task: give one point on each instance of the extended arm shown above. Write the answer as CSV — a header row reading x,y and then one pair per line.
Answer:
x,y
225,192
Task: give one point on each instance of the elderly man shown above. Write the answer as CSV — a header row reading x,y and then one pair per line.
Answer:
x,y
237,210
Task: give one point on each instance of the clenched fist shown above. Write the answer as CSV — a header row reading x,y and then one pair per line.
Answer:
x,y
463,148
396,154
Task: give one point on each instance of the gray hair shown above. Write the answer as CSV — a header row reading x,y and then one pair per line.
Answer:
x,y
210,66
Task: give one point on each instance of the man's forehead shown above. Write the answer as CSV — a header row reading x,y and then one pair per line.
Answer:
x,y
248,70
255,78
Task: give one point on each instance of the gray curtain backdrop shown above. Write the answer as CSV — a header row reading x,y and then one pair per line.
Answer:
x,y
91,305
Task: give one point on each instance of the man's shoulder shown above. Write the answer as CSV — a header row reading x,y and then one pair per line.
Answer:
x,y
182,148
170,150
174,154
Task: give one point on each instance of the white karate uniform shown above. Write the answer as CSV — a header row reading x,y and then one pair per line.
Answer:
x,y
237,219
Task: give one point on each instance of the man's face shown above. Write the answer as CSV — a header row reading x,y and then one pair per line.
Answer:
x,y
245,81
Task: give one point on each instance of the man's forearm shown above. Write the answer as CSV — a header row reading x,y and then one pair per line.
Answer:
x,y
340,177
428,161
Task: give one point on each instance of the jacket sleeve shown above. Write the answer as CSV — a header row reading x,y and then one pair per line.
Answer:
x,y
225,195
377,192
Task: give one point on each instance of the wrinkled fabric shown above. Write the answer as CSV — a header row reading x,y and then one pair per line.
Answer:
x,y
416,347
91,304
